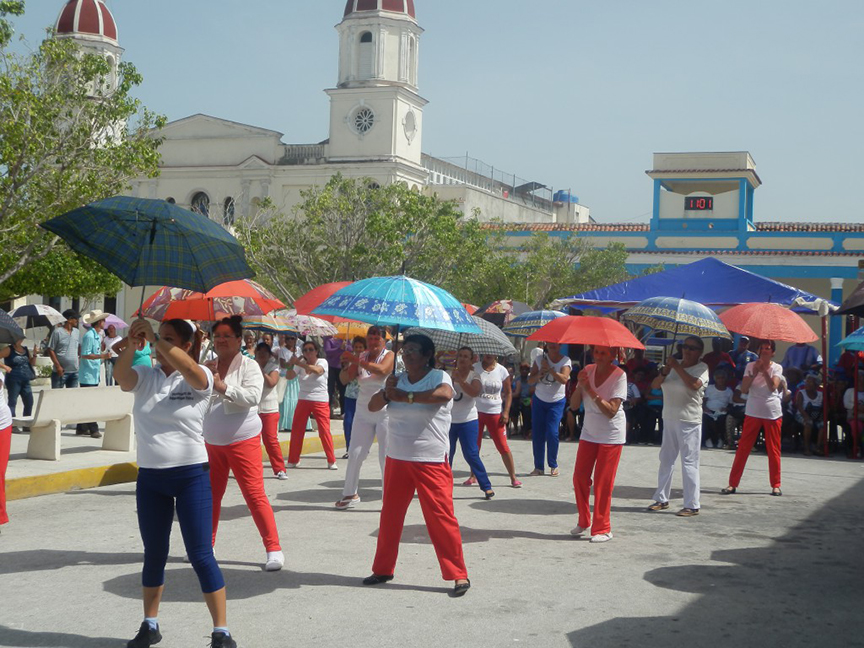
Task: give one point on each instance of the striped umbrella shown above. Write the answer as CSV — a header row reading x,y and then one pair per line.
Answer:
x,y
271,322
526,323
680,317
307,324
490,342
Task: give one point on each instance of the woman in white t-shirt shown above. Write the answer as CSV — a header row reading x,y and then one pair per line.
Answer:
x,y
268,408
370,369
602,388
549,374
111,338
232,431
463,425
683,384
493,412
171,401
764,409
419,402
5,439
311,370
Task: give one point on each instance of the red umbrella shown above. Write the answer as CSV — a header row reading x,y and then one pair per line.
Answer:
x,y
231,298
471,308
305,304
581,329
768,322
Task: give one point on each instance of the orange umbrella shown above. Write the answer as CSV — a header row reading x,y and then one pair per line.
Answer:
x,y
243,297
305,304
767,322
581,329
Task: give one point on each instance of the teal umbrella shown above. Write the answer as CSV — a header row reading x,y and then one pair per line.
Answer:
x,y
527,323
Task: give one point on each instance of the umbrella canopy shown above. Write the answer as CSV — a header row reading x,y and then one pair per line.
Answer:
x,y
10,332
502,311
490,342
581,329
854,341
153,243
681,317
471,308
526,323
399,301
305,304
349,329
768,322
307,324
244,297
271,322
854,303
33,315
112,320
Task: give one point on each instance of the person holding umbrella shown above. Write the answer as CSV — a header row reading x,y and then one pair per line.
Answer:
x,y
683,384
764,410
549,375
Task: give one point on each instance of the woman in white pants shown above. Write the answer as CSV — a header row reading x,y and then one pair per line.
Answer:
x,y
683,384
371,370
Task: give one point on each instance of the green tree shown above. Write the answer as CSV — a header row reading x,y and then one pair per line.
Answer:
x,y
9,8
65,140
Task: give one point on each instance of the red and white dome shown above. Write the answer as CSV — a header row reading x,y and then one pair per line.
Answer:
x,y
405,7
87,18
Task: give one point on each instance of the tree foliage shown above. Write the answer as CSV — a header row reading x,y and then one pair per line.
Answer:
x,y
65,141
353,229
9,8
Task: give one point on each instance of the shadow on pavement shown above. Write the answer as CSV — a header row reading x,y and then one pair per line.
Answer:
x,y
418,534
802,590
16,562
526,506
25,639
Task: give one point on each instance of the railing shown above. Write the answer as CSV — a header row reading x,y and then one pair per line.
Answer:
x,y
302,154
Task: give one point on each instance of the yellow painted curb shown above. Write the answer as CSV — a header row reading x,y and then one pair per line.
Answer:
x,y
82,478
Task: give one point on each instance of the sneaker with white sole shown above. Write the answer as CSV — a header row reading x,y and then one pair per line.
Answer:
x,y
602,537
282,475
333,466
275,561
578,531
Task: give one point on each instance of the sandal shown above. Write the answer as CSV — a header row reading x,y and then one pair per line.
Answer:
x,y
469,482
536,473
377,579
516,483
348,502
730,490
776,492
554,472
460,589
489,494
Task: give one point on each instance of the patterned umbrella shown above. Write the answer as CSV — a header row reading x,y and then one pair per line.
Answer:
x,y
490,342
272,322
681,317
503,311
245,298
305,304
399,301
33,315
10,332
768,322
526,323
307,324
153,243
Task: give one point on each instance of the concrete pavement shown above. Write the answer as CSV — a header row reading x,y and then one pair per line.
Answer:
x,y
751,570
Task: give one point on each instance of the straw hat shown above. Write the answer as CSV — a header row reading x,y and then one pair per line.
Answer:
x,y
95,316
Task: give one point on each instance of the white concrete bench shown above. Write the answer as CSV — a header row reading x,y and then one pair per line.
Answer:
x,y
58,407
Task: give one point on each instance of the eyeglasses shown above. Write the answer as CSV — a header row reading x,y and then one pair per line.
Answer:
x,y
690,347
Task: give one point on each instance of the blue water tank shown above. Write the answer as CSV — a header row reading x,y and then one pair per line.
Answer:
x,y
565,197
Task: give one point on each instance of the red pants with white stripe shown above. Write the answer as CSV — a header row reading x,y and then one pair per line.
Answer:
x,y
244,460
321,413
5,448
745,444
433,483
270,437
601,459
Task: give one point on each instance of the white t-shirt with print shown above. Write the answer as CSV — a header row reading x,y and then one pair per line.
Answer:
x,y
492,382
680,403
763,401
548,389
717,401
417,431
269,395
599,428
464,406
370,384
169,418
313,387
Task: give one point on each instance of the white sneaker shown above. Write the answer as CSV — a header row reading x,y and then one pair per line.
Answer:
x,y
709,443
578,531
602,537
290,465
333,466
282,475
275,561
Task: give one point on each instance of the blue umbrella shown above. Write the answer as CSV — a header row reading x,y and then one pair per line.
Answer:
x,y
399,301
153,243
680,317
526,323
854,341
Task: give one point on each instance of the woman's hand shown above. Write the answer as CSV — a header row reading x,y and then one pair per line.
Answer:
x,y
142,330
349,358
219,385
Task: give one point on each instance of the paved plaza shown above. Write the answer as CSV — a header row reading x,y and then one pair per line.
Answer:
x,y
751,570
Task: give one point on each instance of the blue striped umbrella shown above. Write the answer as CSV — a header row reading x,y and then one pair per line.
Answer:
x,y
399,301
153,243
526,323
680,317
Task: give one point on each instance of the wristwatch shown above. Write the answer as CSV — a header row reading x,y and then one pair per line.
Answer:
x,y
410,398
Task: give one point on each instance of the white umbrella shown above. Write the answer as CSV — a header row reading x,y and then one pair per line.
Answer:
x,y
33,315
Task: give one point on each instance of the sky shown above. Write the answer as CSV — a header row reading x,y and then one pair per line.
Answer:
x,y
573,94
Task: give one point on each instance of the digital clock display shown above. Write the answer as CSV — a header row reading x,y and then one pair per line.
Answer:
x,y
698,203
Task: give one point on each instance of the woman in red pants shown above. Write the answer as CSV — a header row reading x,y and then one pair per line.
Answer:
x,y
314,400
268,408
764,409
602,387
232,432
419,402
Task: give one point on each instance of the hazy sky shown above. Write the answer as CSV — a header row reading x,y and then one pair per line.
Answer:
x,y
570,93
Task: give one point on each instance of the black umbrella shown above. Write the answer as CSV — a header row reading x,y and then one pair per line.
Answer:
x,y
10,332
854,304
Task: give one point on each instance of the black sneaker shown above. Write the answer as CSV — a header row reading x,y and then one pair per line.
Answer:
x,y
146,636
221,640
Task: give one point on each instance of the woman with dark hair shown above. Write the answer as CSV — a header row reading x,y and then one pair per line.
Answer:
x,y
683,384
314,400
232,431
287,350
352,391
764,409
171,401
463,426
549,374
493,412
268,408
419,401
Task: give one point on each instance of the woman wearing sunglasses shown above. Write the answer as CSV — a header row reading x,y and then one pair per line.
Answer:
x,y
311,369
683,383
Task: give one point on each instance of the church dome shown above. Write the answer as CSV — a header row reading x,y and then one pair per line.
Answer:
x,y
86,18
405,7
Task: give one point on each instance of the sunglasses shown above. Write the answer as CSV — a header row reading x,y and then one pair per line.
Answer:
x,y
690,347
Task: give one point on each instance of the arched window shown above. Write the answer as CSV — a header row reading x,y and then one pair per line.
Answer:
x,y
364,67
170,200
201,204
228,212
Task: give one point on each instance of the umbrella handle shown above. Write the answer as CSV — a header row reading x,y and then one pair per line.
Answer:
x,y
395,348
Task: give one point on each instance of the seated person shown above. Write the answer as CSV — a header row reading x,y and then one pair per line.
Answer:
x,y
801,356
634,397
652,431
716,357
714,408
735,416
809,411
520,405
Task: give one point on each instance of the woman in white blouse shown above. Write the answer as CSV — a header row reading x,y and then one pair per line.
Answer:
x,y
602,387
268,408
419,402
311,370
549,374
232,430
